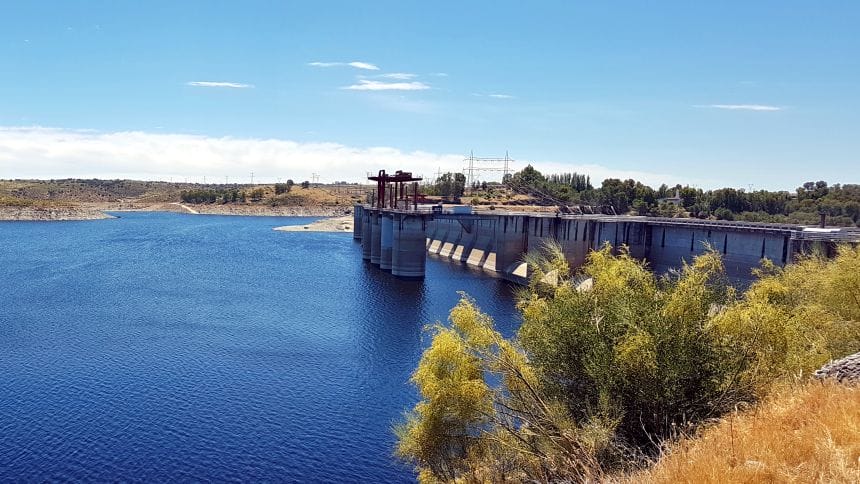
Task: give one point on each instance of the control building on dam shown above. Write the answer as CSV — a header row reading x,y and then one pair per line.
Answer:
x,y
397,234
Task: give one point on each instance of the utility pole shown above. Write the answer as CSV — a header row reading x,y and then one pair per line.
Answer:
x,y
252,178
315,178
226,180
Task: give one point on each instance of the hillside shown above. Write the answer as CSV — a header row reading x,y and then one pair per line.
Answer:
x,y
72,199
809,434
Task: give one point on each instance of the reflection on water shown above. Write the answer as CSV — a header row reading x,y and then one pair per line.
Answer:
x,y
166,346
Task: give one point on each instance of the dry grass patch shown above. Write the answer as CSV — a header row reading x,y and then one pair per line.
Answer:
x,y
808,434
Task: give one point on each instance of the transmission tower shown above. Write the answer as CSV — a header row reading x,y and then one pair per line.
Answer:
x,y
477,165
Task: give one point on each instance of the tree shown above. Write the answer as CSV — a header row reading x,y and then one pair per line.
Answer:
x,y
451,185
257,194
464,428
306,184
282,188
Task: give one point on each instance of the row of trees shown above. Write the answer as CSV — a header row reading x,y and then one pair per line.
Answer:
x,y
841,203
234,195
598,380
449,185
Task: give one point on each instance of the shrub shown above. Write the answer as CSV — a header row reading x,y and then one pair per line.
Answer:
x,y
604,373
633,348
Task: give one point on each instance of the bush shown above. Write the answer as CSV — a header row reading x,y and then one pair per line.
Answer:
x,y
723,213
634,348
603,374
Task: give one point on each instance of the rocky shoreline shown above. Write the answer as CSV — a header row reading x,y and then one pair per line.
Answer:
x,y
51,214
98,211
334,224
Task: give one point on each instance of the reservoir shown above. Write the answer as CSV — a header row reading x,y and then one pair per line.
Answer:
x,y
168,347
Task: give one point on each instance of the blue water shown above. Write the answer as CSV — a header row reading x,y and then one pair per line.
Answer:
x,y
167,347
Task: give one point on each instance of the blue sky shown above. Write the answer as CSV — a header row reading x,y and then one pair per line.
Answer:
x,y
711,93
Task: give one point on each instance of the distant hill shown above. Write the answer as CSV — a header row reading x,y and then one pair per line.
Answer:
x,y
74,191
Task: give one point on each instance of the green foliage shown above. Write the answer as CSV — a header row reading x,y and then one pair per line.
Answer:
x,y
209,195
448,185
604,371
570,187
283,187
465,429
841,203
633,347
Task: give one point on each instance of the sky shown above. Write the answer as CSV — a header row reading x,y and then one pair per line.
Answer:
x,y
761,94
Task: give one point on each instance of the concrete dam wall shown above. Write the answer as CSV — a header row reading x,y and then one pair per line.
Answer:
x,y
399,240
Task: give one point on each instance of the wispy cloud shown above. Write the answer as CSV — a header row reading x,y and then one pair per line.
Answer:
x,y
403,76
369,85
439,74
356,64
740,107
363,65
494,95
231,85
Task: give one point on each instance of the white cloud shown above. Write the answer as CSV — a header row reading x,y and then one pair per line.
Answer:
x,y
232,85
368,85
740,107
355,64
364,65
37,152
403,76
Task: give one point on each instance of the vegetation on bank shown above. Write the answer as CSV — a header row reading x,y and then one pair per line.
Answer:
x,y
280,194
72,192
598,381
840,203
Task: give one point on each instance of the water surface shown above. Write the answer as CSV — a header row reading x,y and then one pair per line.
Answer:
x,y
165,347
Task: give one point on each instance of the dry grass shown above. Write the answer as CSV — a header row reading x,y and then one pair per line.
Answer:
x,y
808,434
308,196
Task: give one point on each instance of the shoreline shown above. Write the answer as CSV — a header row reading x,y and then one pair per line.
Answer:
x,y
99,211
332,224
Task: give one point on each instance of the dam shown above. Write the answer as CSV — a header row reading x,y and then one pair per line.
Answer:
x,y
398,237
